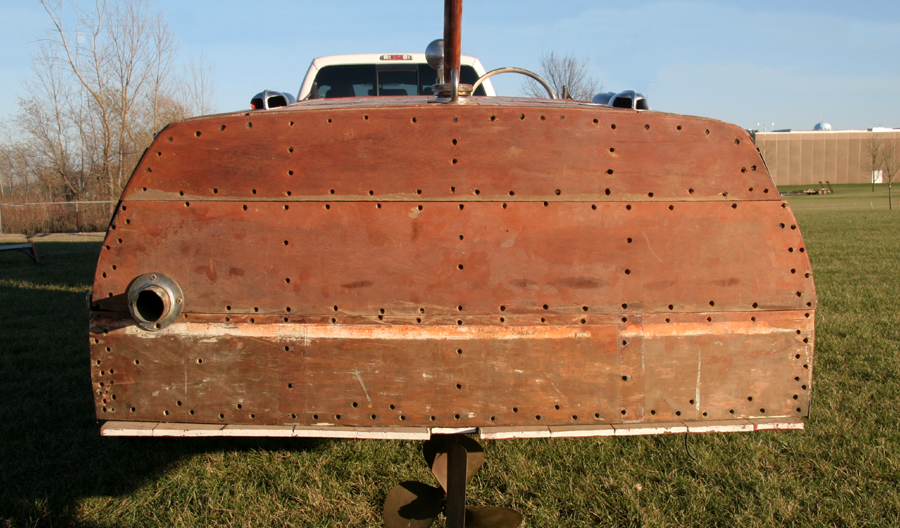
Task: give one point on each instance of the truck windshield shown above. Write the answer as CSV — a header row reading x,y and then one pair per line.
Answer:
x,y
362,80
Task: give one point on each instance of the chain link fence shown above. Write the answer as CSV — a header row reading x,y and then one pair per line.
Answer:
x,y
31,218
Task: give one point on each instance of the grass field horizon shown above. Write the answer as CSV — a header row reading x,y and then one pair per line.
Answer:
x,y
843,470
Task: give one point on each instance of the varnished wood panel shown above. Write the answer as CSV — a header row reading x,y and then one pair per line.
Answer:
x,y
505,263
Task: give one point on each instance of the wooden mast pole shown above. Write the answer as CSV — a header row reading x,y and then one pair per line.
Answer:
x,y
452,36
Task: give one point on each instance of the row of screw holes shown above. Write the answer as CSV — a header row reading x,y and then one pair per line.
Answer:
x,y
432,418
538,417
460,308
493,119
503,205
249,124
556,407
477,192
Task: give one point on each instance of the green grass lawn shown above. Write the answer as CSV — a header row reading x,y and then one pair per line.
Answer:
x,y
844,470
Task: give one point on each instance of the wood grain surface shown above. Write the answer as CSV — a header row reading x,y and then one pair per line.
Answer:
x,y
507,262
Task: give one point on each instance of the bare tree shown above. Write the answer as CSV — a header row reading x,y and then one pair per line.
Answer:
x,y
564,72
161,90
48,124
890,163
102,83
199,86
118,57
872,162
16,169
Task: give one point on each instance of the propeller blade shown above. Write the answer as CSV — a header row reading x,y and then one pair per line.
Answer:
x,y
435,451
412,505
492,517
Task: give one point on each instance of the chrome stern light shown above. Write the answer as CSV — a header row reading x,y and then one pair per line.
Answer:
x,y
269,99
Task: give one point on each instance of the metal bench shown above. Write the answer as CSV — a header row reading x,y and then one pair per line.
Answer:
x,y
27,248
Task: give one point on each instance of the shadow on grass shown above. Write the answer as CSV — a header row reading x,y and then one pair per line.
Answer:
x,y
52,453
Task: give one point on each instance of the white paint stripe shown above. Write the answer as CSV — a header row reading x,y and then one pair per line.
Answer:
x,y
649,429
113,428
394,433
702,329
325,432
507,433
737,427
572,431
778,424
308,332
454,430
699,370
187,430
255,430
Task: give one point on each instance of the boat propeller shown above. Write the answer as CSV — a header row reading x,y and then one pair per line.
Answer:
x,y
452,459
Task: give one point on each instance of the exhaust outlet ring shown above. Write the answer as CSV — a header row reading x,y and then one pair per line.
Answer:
x,y
154,301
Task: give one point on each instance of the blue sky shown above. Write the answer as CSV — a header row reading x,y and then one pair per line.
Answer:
x,y
792,63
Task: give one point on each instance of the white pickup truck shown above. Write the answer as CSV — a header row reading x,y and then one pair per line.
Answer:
x,y
371,74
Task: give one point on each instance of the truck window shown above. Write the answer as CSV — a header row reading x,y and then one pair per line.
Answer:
x,y
362,80
349,80
398,80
